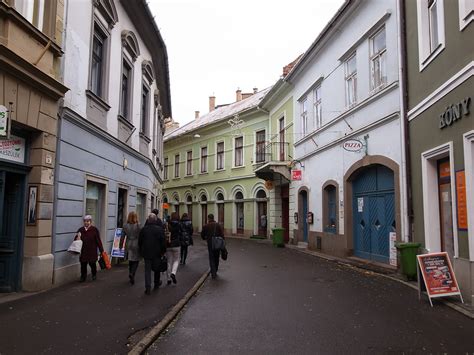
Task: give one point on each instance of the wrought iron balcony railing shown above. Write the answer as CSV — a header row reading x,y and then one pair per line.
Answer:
x,y
272,152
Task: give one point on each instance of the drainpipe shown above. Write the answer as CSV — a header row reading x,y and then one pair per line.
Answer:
x,y
58,140
405,133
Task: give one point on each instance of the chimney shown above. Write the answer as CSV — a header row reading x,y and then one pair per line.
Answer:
x,y
255,90
238,95
196,114
212,103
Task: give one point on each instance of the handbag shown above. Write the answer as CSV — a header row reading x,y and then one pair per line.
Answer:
x,y
106,260
224,254
75,247
218,243
159,264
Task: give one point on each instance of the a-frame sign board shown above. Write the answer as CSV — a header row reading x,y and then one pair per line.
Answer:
x,y
438,276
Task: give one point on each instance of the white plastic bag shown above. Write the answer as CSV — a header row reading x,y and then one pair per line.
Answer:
x,y
75,247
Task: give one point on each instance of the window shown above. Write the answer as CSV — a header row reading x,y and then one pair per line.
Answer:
x,y
141,207
145,111
351,81
466,13
98,61
165,169
430,19
32,10
378,58
260,149
304,116
176,165
125,90
318,113
189,163
94,202
239,151
204,160
220,156
330,214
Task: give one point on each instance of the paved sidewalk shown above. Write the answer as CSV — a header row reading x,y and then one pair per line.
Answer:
x,y
95,316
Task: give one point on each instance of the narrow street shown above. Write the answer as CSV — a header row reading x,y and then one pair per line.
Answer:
x,y
268,300
94,317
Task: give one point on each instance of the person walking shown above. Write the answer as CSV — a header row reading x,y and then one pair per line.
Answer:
x,y
212,229
90,243
173,247
130,233
151,242
186,231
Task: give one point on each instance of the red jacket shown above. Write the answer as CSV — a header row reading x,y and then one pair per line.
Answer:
x,y
90,243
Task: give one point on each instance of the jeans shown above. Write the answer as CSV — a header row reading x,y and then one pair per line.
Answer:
x,y
173,261
184,253
132,267
156,278
93,266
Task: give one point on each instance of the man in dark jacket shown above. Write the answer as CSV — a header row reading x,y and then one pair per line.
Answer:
x,y
151,242
212,229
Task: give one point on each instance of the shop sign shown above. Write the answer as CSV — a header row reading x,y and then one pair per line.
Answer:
x,y
13,149
454,113
393,248
166,206
438,275
3,121
269,184
296,175
353,145
461,199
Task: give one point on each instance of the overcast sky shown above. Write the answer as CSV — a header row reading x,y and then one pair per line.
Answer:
x,y
217,46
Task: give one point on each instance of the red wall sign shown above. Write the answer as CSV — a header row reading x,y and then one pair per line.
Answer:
x,y
296,175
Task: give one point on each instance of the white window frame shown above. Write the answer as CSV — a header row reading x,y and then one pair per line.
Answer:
x,y
165,168
317,107
256,146
235,153
351,80
27,9
206,167
425,52
223,156
377,83
466,13
304,115
189,167
177,162
429,173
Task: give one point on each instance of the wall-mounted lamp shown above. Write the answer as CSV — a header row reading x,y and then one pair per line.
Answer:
x,y
197,135
125,163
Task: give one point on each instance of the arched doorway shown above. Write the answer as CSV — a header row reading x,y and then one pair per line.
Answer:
x,y
189,206
239,216
262,217
373,206
220,208
303,209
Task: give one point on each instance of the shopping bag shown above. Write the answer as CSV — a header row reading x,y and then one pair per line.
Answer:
x,y
102,263
75,247
106,259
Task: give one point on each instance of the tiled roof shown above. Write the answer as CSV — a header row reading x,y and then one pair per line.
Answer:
x,y
219,114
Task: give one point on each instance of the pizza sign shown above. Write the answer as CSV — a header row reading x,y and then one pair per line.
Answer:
x,y
353,145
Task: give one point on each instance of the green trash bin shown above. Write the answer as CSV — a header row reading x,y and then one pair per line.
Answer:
x,y
278,237
408,252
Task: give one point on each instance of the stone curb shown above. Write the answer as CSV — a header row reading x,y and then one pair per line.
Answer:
x,y
452,305
155,332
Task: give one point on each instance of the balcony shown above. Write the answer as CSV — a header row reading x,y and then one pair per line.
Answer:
x,y
272,161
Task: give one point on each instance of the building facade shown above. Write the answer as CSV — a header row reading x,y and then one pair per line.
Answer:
x,y
209,167
112,122
440,70
349,136
31,37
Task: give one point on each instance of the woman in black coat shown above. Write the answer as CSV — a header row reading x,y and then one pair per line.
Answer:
x,y
186,231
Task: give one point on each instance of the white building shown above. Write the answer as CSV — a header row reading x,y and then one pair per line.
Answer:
x,y
112,123
349,135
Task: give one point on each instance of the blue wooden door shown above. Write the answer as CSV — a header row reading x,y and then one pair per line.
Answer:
x,y
374,213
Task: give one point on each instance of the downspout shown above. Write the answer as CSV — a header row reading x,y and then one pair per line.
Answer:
x,y
406,160
58,141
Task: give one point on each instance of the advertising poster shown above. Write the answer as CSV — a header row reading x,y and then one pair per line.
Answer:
x,y
438,275
116,251
393,249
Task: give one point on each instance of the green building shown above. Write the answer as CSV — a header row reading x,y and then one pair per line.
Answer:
x,y
209,166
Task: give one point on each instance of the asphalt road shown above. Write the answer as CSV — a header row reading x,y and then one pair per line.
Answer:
x,y
95,317
269,300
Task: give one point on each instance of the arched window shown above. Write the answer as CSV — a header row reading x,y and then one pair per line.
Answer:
x,y
330,208
239,195
261,194
220,196
239,206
